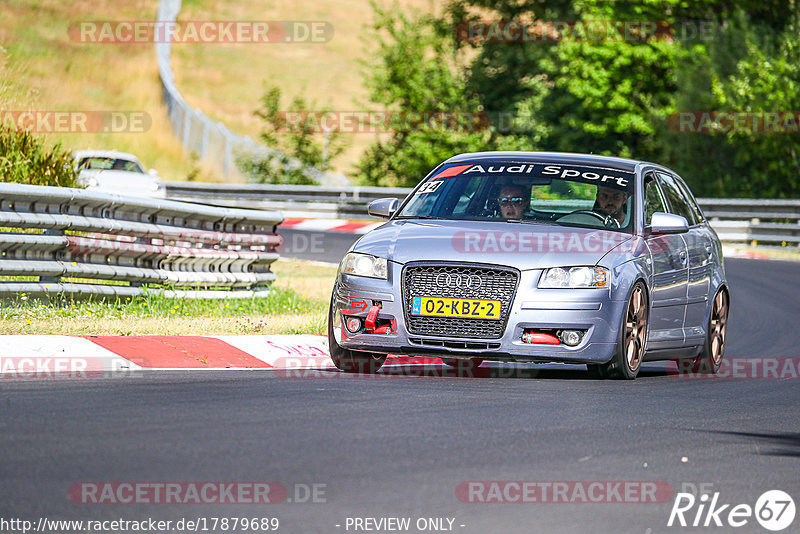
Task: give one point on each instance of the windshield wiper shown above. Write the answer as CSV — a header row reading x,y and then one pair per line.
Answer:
x,y
426,217
536,221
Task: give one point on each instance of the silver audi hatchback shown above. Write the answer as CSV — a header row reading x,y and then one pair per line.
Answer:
x,y
535,257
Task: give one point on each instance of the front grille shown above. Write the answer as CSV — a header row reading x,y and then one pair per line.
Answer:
x,y
419,280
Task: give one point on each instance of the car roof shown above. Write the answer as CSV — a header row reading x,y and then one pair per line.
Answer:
x,y
78,154
609,162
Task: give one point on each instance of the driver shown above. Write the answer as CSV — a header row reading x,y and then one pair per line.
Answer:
x,y
513,201
610,202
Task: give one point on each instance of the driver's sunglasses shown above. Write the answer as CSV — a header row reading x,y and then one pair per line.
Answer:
x,y
505,201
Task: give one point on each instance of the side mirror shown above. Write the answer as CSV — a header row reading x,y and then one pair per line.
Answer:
x,y
382,207
668,223
152,172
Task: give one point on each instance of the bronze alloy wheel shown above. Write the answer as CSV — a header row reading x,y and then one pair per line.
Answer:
x,y
636,329
628,357
710,358
718,326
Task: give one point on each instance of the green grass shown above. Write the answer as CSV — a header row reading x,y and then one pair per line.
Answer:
x,y
248,315
297,304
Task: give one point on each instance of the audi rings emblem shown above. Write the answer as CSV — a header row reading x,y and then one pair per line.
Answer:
x,y
460,281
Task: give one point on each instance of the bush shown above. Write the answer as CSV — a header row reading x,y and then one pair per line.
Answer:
x,y
294,152
28,159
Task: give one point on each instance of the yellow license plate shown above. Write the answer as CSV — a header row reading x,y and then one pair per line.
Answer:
x,y
445,307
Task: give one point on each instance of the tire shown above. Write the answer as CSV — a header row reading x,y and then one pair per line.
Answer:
x,y
351,361
628,356
710,357
463,365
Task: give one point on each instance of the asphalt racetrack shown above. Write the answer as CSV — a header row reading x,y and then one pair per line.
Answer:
x,y
402,446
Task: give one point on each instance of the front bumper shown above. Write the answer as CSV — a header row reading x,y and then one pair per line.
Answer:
x,y
592,311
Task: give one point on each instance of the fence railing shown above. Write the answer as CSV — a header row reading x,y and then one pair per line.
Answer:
x,y
737,221
754,222
292,200
56,240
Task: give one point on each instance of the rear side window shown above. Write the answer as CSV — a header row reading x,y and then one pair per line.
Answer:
x,y
676,197
652,198
690,199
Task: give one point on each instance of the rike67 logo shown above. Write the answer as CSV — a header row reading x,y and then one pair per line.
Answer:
x,y
774,510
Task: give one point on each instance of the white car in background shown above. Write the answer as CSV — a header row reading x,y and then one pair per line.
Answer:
x,y
116,172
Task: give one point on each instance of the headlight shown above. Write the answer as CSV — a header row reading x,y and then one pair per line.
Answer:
x,y
572,277
364,265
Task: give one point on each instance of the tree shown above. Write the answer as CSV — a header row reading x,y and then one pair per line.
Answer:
x,y
418,70
746,69
294,153
573,92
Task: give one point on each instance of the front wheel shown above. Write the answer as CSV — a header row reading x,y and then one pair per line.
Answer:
x,y
627,359
351,361
710,358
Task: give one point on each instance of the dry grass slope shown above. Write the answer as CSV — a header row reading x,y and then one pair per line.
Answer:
x,y
54,72
51,71
227,80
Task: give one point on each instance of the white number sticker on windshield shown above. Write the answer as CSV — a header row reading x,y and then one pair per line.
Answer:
x,y
430,187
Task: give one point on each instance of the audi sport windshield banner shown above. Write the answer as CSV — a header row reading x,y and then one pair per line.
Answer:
x,y
613,178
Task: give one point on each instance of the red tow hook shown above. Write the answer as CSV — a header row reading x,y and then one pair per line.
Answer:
x,y
369,322
539,337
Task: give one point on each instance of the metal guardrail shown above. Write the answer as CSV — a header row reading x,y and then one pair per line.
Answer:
x,y
306,201
737,221
73,240
754,222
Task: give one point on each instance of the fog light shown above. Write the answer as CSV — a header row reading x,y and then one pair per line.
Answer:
x,y
571,337
353,324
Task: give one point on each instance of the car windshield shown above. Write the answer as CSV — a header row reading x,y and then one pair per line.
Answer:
x,y
107,163
566,194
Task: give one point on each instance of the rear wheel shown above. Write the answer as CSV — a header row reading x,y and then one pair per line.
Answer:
x,y
627,359
710,358
351,361
465,365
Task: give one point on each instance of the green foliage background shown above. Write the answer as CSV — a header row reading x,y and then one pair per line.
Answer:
x,y
612,97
